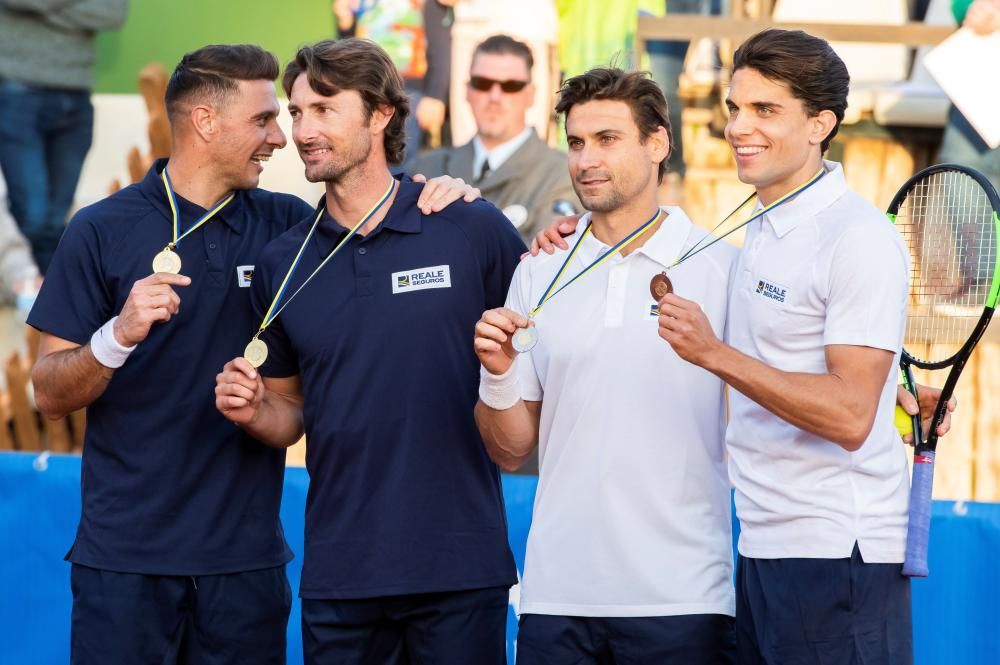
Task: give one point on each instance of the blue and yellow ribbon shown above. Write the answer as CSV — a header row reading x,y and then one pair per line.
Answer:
x,y
172,200
757,215
271,314
622,244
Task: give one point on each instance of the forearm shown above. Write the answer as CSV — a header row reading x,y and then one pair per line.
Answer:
x,y
278,422
37,6
66,381
90,15
510,434
822,404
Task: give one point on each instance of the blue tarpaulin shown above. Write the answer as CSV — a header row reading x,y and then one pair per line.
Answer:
x,y
954,611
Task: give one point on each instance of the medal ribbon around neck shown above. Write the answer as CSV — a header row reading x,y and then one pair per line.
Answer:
x,y
622,244
698,247
256,347
176,218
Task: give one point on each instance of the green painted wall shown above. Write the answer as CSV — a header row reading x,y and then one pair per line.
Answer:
x,y
164,30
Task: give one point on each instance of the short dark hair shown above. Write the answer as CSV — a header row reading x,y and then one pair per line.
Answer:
x,y
505,45
211,73
637,89
361,65
808,65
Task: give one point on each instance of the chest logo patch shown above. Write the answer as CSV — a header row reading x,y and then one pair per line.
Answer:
x,y
432,277
244,274
771,291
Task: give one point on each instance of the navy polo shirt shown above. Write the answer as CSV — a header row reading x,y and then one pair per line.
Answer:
x,y
403,497
170,486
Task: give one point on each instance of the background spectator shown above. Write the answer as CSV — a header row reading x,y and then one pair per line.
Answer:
x,y
507,161
19,279
46,119
417,36
962,144
475,20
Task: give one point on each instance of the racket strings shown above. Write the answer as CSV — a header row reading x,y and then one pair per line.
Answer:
x,y
947,223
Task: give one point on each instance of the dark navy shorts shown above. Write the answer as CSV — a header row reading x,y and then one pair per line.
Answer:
x,y
690,639
235,619
822,612
449,628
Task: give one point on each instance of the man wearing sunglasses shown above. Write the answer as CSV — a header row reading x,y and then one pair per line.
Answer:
x,y
507,161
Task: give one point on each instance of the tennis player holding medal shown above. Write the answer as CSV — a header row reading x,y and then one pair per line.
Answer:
x,y
816,315
365,311
629,555
179,508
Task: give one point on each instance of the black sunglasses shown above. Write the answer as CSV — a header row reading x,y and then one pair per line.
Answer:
x,y
483,84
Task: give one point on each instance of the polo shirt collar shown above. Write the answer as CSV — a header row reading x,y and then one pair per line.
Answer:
x,y
152,188
806,205
664,247
404,217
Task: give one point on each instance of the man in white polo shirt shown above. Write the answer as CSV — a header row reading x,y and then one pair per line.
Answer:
x,y
629,556
816,316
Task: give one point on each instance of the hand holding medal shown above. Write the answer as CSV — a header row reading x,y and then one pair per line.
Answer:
x,y
496,338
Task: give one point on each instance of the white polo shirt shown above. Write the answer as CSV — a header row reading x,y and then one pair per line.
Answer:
x,y
825,268
632,513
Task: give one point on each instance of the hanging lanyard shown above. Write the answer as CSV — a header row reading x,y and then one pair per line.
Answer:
x,y
698,248
168,260
622,244
256,350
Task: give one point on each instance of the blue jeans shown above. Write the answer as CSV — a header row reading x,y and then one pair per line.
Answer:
x,y
45,134
666,62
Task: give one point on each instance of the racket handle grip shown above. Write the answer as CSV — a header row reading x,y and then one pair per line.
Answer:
x,y
918,531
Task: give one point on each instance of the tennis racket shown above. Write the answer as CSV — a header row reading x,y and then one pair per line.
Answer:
x,y
948,216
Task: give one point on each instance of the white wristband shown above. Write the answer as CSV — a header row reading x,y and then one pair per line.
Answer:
x,y
500,391
106,348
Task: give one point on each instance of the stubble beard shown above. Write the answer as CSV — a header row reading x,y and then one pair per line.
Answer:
x,y
335,171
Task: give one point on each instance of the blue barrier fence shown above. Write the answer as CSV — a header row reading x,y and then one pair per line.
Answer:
x,y
954,611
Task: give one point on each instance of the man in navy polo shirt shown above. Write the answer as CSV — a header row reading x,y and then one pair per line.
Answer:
x,y
179,555
406,546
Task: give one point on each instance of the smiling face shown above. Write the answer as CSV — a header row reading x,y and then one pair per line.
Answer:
x,y
610,162
499,115
248,133
334,135
775,141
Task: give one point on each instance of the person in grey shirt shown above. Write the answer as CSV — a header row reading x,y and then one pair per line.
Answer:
x,y
18,272
506,160
47,56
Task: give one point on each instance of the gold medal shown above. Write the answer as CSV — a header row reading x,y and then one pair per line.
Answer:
x,y
256,352
167,261
525,339
660,286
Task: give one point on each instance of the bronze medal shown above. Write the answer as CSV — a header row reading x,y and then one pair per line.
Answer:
x,y
660,286
167,261
256,352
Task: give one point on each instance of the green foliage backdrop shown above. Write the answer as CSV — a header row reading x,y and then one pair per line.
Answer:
x,y
164,30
